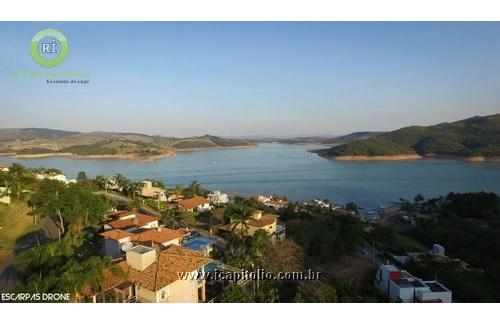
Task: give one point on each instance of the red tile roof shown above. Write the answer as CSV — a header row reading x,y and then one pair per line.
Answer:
x,y
159,237
167,268
192,203
116,234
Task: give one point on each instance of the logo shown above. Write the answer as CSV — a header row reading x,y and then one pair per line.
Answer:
x,y
49,48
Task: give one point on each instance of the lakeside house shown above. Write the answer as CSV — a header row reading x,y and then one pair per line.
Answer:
x,y
149,191
57,177
124,230
149,275
197,203
259,221
273,202
401,286
218,197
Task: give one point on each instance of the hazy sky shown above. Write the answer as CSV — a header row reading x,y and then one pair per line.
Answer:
x,y
233,79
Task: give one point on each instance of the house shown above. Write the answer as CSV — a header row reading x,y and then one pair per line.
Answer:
x,y
174,197
218,197
130,221
160,237
273,202
259,221
117,241
172,275
57,177
196,203
403,287
4,195
149,191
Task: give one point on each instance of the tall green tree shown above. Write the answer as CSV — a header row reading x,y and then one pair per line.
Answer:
x,y
238,215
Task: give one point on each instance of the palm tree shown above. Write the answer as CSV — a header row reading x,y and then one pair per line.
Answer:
x,y
178,191
238,215
194,189
260,240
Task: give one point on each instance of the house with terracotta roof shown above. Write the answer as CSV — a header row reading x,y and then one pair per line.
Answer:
x,y
118,241
172,275
258,221
160,237
130,221
196,203
273,202
115,242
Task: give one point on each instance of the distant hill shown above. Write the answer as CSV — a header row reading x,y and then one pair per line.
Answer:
x,y
33,133
34,142
329,140
349,138
473,137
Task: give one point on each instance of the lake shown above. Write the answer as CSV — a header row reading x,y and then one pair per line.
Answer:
x,y
291,171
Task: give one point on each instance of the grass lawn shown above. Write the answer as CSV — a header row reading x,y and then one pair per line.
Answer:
x,y
14,223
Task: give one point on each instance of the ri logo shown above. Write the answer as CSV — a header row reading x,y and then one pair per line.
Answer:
x,y
49,48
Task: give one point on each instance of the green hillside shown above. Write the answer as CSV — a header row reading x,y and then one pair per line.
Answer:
x,y
476,136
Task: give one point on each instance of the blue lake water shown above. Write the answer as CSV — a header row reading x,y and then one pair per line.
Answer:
x,y
291,171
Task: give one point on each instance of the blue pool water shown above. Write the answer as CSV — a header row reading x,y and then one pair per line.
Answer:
x,y
199,243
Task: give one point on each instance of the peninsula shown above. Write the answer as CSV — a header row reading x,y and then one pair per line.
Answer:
x,y
36,143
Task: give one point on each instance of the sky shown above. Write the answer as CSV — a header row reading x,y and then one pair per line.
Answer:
x,y
253,78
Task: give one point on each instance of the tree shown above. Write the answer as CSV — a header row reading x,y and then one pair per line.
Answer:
x,y
284,256
81,176
122,182
238,215
353,207
259,242
178,191
194,189
20,184
317,292
419,198
71,204
235,294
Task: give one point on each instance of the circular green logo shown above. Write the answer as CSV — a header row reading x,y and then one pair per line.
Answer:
x,y
49,48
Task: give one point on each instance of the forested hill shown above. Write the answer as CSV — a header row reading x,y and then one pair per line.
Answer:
x,y
473,137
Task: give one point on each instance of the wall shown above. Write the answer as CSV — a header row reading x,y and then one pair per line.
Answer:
x,y
112,247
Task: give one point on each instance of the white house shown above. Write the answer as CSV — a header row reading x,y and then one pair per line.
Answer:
x,y
172,275
218,197
116,242
197,203
403,287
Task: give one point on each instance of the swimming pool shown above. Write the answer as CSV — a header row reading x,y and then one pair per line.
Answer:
x,y
199,242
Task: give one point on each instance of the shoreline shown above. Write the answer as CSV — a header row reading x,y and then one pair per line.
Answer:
x,y
412,157
130,157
